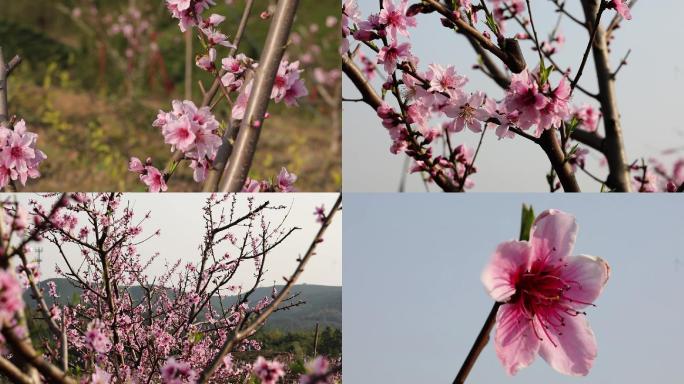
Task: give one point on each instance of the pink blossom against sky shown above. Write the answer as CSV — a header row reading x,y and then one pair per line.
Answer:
x,y
179,217
499,163
416,290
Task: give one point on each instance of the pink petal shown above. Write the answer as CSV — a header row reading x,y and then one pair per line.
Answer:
x,y
591,274
553,236
575,348
516,342
498,276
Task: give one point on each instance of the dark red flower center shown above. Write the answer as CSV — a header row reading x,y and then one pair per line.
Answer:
x,y
542,294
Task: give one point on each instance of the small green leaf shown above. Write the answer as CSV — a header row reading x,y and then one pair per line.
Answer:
x,y
196,337
544,73
571,126
526,221
572,152
492,24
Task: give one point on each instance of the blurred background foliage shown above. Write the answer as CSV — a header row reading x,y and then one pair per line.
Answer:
x,y
96,72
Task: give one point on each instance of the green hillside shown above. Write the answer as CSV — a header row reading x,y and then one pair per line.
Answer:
x,y
323,305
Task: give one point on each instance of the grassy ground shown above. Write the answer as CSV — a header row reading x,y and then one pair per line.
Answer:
x,y
92,114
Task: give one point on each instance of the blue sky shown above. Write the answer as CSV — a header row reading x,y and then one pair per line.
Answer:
x,y
414,303
648,91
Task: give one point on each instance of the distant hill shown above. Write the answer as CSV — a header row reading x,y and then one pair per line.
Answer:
x,y
323,304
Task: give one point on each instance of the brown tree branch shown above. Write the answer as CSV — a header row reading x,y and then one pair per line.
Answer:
x,y
6,69
551,146
237,168
613,144
478,346
368,94
13,373
509,52
35,359
226,148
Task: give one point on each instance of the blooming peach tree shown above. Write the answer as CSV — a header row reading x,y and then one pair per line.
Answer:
x,y
221,152
173,331
425,106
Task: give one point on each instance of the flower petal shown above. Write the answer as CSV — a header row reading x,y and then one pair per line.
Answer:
x,y
516,342
499,275
575,348
552,237
588,274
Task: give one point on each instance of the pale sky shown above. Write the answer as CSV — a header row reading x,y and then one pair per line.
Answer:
x,y
414,303
648,96
179,216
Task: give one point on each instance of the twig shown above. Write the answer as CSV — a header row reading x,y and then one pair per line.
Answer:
x,y
623,62
478,346
470,165
561,9
6,69
536,37
585,57
510,54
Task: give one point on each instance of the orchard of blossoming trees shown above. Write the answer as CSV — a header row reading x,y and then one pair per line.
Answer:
x,y
172,334
426,106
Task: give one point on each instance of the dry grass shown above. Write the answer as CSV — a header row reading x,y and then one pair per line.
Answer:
x,y
88,139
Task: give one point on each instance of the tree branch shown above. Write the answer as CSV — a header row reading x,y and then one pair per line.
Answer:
x,y
5,70
613,144
26,352
13,373
549,143
226,148
237,169
478,346
509,52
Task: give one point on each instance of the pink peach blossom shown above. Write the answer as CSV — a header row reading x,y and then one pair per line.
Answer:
x,y
544,290
444,79
269,372
621,8
95,338
394,18
154,179
393,53
286,181
524,96
467,111
10,296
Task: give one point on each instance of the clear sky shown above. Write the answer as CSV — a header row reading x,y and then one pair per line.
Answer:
x,y
179,217
414,303
648,94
